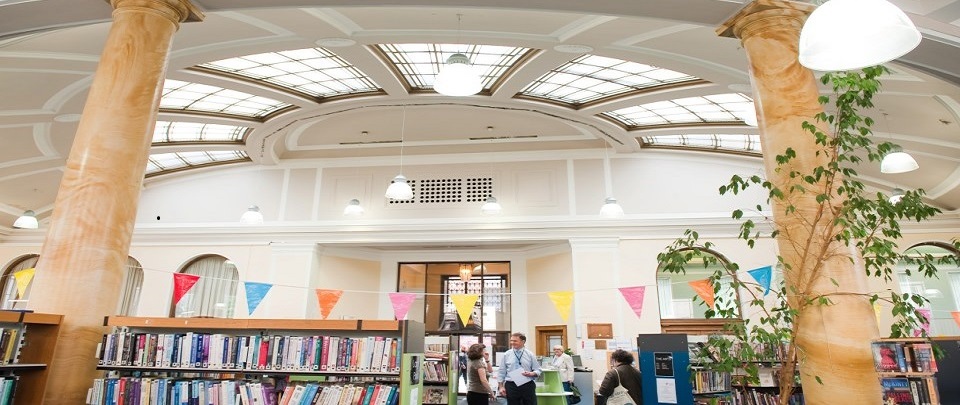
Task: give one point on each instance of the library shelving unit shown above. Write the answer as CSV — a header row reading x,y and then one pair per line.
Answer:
x,y
907,371
26,347
440,371
551,391
165,359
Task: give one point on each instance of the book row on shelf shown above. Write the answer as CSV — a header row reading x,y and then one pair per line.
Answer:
x,y
372,354
705,382
435,372
10,343
756,397
907,369
904,356
175,391
910,391
8,387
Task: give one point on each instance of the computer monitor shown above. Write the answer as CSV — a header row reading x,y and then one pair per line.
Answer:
x,y
577,362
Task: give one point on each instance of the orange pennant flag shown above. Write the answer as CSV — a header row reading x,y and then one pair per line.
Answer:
x,y
562,300
956,317
327,300
464,304
704,290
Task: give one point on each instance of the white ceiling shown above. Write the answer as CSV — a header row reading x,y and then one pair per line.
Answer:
x,y
49,51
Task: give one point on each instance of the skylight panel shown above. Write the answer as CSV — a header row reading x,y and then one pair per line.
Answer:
x,y
167,162
707,109
715,142
313,71
419,64
601,78
178,95
166,131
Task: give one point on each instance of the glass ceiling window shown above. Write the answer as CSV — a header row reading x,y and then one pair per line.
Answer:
x,y
314,71
166,162
590,78
166,131
187,96
716,108
420,63
724,142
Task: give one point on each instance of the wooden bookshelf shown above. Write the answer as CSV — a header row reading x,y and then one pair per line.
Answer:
x,y
38,340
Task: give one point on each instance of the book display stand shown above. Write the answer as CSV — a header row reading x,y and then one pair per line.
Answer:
x,y
907,370
250,361
440,371
551,392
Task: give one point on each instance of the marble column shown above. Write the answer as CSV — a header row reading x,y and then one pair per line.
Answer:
x,y
832,341
82,261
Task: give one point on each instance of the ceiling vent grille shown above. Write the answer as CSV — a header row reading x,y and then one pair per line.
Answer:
x,y
448,191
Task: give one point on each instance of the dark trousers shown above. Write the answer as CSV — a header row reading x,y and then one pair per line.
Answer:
x,y
566,388
477,398
525,394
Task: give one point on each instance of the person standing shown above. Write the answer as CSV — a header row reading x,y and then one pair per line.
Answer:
x,y
462,361
623,373
478,387
517,362
564,365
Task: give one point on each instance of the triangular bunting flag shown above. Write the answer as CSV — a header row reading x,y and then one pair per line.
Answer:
x,y
924,323
877,310
704,290
327,299
956,317
23,278
562,301
464,304
763,275
182,283
255,294
401,304
634,297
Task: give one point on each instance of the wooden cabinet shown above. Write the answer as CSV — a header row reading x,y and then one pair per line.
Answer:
x,y
31,339
260,357
600,331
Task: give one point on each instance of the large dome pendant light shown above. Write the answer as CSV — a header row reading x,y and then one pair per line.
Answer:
x,y
852,34
399,189
457,77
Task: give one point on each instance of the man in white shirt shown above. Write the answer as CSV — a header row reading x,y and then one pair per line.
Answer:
x,y
520,367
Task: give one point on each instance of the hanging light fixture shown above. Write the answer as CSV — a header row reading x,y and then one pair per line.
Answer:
x,y
27,221
399,189
852,34
353,209
457,77
898,161
252,216
466,272
611,209
896,195
491,206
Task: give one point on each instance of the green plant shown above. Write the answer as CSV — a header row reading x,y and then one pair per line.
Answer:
x,y
823,217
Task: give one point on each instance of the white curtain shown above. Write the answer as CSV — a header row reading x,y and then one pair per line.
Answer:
x,y
130,297
665,295
214,293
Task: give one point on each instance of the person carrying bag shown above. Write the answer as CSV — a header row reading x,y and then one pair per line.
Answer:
x,y
621,385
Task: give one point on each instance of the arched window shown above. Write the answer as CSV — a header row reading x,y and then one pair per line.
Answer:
x,y
676,296
133,282
214,293
11,299
943,291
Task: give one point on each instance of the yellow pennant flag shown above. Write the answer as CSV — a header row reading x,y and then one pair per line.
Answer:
x,y
23,278
562,300
464,304
876,310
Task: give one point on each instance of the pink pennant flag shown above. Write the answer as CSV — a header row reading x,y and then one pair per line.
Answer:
x,y
634,297
956,317
924,323
182,283
704,290
401,304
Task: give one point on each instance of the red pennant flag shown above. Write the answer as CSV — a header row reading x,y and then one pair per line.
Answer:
x,y
182,283
327,300
704,290
634,297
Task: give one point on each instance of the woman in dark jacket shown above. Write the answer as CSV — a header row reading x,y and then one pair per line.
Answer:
x,y
629,377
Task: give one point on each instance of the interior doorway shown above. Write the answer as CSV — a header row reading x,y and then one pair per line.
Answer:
x,y
550,335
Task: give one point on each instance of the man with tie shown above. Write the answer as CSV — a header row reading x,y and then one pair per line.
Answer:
x,y
520,367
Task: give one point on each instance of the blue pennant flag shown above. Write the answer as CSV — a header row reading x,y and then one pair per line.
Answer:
x,y
763,275
255,294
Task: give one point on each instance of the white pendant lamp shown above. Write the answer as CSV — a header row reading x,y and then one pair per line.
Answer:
x,y
898,161
252,216
353,209
399,189
852,34
457,77
27,221
896,195
611,209
491,206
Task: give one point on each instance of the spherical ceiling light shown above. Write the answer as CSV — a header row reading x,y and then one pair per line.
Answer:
x,y
898,161
611,209
252,216
399,189
852,34
457,77
353,209
27,221
491,206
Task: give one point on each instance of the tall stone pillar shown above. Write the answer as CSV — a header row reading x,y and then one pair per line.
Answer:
x,y
832,341
83,258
